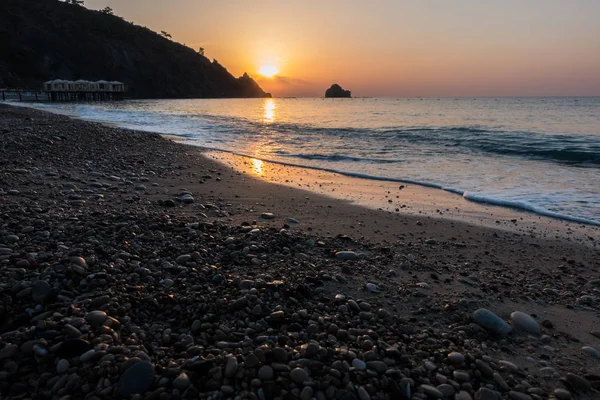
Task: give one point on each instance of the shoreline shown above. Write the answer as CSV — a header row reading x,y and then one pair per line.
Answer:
x,y
154,252
519,208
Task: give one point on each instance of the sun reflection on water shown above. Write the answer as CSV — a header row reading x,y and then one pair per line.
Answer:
x,y
257,166
269,111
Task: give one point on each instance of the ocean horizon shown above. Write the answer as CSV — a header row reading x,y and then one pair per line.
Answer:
x,y
540,154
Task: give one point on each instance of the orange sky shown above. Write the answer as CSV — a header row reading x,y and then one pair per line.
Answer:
x,y
391,47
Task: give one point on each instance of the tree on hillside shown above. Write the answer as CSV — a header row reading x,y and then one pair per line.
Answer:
x,y
107,10
165,34
75,2
201,51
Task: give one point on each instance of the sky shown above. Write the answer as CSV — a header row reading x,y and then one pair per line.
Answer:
x,y
399,48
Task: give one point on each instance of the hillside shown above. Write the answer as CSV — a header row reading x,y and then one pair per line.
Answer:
x,y
46,39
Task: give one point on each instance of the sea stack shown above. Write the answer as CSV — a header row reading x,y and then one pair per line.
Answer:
x,y
337,91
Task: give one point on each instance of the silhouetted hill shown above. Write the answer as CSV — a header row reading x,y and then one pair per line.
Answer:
x,y
46,39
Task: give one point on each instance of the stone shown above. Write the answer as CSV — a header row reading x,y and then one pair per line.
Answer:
x,y
562,394
518,395
40,290
251,361
456,358
182,259
136,379
508,366
62,366
299,375
491,322
181,382
307,393
431,391
359,365
266,373
231,367
578,383
346,255
73,348
591,351
187,198
267,215
462,395
96,318
487,394
363,394
446,390
9,351
484,368
525,323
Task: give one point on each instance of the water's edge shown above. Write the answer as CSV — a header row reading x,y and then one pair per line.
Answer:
x,y
474,197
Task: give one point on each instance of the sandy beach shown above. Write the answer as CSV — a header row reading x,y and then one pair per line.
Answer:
x,y
135,266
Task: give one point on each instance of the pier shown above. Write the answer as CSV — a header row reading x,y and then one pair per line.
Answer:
x,y
69,91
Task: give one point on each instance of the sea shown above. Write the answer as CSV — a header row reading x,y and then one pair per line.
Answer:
x,y
537,154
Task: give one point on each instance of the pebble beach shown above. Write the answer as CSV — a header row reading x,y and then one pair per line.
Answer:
x,y
132,266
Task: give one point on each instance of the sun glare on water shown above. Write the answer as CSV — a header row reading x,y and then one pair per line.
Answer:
x,y
268,70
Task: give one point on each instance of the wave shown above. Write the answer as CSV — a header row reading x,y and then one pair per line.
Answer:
x,y
576,150
338,157
474,197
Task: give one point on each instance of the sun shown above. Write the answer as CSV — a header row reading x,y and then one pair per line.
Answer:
x,y
268,70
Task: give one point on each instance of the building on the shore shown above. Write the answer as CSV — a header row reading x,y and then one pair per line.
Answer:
x,y
60,85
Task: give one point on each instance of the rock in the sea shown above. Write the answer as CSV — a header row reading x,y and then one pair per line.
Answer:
x,y
524,322
337,91
491,322
136,379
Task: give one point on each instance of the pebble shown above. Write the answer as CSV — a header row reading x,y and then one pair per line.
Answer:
x,y
591,351
359,364
136,379
96,318
62,366
525,322
346,255
491,322
579,383
187,199
431,391
267,215
487,394
562,394
40,290
363,394
456,358
266,373
9,351
299,375
182,381
231,367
